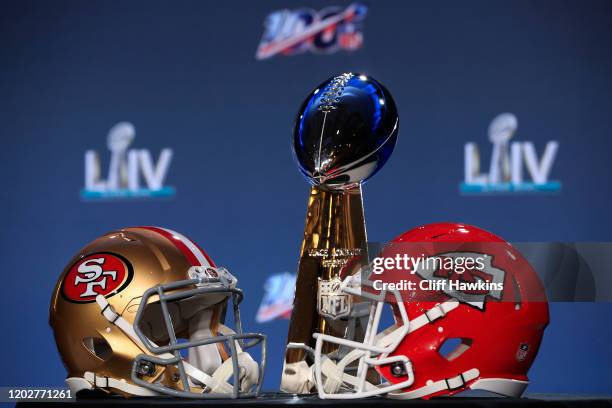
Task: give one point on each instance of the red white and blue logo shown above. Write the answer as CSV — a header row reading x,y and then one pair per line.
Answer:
x,y
291,32
277,302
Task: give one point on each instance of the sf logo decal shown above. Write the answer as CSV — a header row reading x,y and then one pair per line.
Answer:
x,y
92,275
96,274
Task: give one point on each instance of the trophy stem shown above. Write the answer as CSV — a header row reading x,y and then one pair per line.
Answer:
x,y
334,234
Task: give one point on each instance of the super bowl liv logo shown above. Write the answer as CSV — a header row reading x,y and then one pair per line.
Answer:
x,y
291,32
131,172
508,160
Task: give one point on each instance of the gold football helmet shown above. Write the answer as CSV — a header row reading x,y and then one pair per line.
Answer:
x,y
141,312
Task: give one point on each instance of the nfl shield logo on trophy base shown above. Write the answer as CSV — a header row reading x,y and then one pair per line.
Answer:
x,y
332,302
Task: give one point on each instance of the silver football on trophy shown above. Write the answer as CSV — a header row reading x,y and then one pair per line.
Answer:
x,y
345,131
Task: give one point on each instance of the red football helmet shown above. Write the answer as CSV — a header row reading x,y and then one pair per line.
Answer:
x,y
492,311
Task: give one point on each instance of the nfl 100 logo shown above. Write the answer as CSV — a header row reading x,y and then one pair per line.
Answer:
x,y
290,32
277,302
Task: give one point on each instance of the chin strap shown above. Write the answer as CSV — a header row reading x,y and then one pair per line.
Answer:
x,y
90,381
435,313
249,369
445,384
217,382
298,377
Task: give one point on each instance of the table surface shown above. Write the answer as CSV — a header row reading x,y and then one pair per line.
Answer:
x,y
279,399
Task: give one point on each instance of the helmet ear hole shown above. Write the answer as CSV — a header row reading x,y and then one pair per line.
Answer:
x,y
454,347
98,347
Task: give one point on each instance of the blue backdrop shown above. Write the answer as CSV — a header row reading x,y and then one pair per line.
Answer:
x,y
185,74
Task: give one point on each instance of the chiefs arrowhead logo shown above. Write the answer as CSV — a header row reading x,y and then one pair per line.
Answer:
x,y
469,286
100,273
